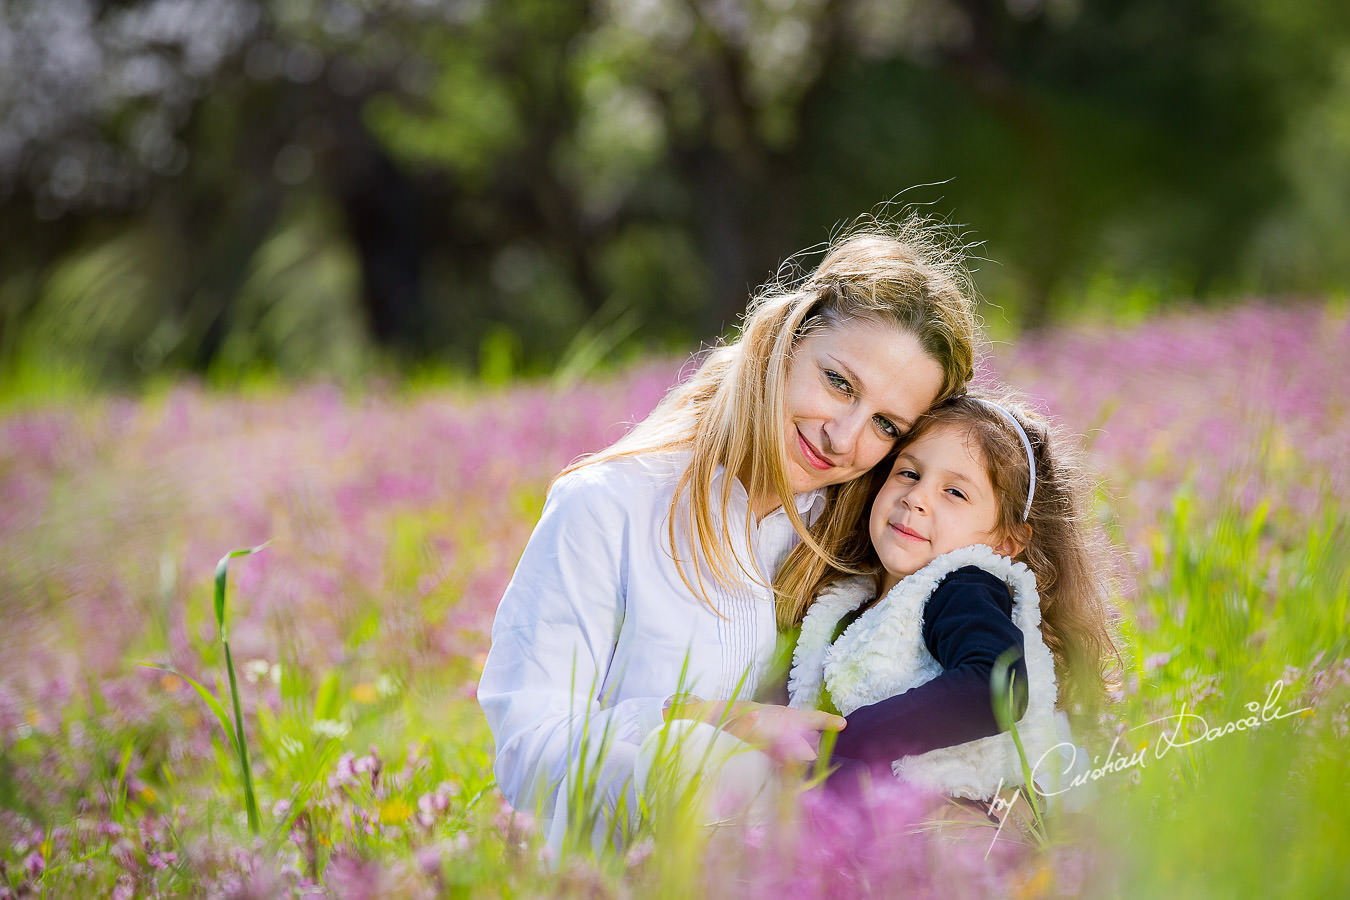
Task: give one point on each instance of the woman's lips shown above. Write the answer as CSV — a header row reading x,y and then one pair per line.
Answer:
x,y
812,455
907,533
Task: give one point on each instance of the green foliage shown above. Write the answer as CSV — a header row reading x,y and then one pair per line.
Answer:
x,y
298,310
1244,595
464,123
514,185
1242,602
99,314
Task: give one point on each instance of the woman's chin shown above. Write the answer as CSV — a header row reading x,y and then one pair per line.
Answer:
x,y
807,480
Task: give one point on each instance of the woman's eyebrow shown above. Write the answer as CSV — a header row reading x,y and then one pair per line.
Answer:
x,y
899,422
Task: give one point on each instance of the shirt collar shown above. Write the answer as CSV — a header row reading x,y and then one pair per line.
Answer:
x,y
809,505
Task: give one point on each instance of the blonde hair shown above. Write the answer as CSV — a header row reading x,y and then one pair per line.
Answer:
x,y
729,413
1066,550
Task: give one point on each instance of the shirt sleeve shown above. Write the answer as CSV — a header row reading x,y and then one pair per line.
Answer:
x,y
553,641
967,626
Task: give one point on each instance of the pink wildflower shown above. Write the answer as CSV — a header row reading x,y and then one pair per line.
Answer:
x,y
1156,661
371,764
345,773
161,860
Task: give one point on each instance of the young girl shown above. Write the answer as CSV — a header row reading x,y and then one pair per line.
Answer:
x,y
977,543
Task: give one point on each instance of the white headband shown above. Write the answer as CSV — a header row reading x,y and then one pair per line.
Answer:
x,y
1026,442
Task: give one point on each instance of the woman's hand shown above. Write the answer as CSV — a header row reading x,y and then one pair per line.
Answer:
x,y
788,735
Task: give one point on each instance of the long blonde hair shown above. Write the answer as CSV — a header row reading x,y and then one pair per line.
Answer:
x,y
729,413
1063,546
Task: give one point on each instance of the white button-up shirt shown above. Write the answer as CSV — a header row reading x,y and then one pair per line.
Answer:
x,y
597,629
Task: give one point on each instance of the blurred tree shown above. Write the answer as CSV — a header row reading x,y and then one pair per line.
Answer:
x,y
530,180
1133,137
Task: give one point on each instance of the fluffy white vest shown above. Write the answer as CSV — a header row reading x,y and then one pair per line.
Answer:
x,y
882,654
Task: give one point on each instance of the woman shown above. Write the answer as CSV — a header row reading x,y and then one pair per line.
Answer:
x,y
648,573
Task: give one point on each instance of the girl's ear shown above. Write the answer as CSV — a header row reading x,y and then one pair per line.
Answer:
x,y
1011,546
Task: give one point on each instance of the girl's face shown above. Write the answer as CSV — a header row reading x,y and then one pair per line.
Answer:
x,y
938,498
851,391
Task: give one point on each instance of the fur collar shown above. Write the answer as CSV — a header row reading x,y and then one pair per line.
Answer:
x,y
882,654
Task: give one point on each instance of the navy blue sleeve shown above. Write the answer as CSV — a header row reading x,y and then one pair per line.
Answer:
x,y
967,625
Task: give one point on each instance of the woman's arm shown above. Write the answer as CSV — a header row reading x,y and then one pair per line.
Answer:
x,y
553,643
967,627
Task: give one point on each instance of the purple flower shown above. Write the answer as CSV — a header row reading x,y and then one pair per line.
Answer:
x,y
350,878
369,764
345,773
639,852
124,851
429,860
161,860
1156,660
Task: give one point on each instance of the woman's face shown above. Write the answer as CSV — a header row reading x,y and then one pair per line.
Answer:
x,y
852,390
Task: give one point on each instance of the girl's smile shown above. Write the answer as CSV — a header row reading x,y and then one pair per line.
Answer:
x,y
908,532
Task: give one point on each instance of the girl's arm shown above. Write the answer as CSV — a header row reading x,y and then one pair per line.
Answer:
x,y
553,642
967,626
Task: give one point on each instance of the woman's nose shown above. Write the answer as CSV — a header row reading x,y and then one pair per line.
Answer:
x,y
842,432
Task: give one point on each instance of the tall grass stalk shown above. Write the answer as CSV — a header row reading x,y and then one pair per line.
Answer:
x,y
1004,687
234,732
240,743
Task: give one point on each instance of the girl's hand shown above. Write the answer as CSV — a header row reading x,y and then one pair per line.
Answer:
x,y
788,735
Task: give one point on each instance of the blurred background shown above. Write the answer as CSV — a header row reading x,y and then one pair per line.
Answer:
x,y
236,188
243,212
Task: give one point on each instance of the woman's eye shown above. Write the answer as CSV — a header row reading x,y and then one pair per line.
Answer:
x,y
886,427
838,382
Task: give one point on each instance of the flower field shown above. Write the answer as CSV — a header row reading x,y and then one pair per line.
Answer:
x,y
393,518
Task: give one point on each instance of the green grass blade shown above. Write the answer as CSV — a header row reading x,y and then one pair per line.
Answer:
x,y
241,748
1004,686
239,741
212,703
221,568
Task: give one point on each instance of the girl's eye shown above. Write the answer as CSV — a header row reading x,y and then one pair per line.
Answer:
x,y
907,474
956,493
886,427
838,382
